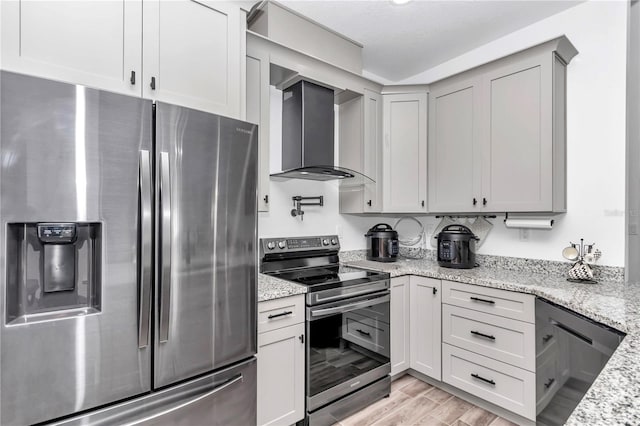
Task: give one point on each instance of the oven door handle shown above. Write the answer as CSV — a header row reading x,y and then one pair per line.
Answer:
x,y
349,307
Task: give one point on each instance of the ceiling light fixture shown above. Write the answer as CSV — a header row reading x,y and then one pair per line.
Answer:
x,y
400,1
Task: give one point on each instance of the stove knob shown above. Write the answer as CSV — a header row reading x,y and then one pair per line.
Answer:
x,y
271,245
334,241
325,242
282,244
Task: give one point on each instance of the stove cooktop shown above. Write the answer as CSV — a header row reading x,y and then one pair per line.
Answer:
x,y
330,276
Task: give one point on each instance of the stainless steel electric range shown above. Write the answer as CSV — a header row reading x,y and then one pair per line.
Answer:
x,y
347,327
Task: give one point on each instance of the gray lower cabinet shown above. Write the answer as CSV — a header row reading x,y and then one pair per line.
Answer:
x,y
501,127
426,329
400,324
404,171
281,355
360,135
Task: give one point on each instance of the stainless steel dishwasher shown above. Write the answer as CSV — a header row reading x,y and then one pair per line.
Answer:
x,y
571,351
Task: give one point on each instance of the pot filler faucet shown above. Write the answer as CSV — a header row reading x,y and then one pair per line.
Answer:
x,y
298,203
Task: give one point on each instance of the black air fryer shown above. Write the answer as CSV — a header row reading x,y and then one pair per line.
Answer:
x,y
457,247
382,243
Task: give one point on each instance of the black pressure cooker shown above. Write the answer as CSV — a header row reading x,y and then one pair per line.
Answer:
x,y
382,243
457,247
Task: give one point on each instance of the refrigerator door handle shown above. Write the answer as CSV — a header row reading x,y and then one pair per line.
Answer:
x,y
165,255
144,273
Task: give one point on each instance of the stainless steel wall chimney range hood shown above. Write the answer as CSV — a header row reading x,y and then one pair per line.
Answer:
x,y
308,136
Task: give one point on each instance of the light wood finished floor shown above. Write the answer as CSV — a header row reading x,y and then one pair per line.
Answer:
x,y
413,402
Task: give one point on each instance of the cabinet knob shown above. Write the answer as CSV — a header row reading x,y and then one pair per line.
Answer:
x,y
133,77
266,199
484,201
435,290
475,201
153,83
301,337
369,203
422,203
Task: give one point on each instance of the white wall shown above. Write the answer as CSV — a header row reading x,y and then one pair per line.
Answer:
x,y
595,145
595,129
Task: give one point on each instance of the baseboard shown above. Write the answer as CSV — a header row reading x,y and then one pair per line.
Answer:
x,y
495,409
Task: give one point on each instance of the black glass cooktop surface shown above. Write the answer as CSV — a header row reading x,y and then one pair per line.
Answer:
x,y
332,276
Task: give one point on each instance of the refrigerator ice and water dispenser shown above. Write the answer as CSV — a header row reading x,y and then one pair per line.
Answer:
x,y
59,256
51,268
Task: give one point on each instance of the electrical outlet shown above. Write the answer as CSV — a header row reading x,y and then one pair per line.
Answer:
x,y
524,235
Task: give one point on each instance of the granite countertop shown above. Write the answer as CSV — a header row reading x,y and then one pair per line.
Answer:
x,y
274,288
614,397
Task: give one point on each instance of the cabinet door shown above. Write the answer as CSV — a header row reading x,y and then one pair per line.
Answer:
x,y
405,153
258,112
97,44
518,151
426,331
454,147
360,127
195,55
281,376
373,151
400,342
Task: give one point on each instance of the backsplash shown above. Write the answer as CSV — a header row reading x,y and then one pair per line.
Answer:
x,y
536,266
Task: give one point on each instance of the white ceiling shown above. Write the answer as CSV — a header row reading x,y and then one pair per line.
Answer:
x,y
403,40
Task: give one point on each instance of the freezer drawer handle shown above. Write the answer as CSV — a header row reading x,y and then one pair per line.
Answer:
x,y
144,272
185,404
475,376
282,314
486,336
165,255
364,333
477,299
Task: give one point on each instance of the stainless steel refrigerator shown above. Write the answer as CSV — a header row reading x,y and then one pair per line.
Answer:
x,y
127,251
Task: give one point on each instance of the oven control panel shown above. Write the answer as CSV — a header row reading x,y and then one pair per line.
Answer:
x,y
297,244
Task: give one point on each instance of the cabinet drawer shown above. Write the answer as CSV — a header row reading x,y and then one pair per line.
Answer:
x,y
504,385
545,338
366,332
278,313
547,377
508,304
499,338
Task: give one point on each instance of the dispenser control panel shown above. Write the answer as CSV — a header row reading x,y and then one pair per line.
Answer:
x,y
57,233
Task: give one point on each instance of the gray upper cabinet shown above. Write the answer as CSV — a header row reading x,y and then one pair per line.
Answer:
x,y
518,151
258,112
405,153
360,127
497,136
454,135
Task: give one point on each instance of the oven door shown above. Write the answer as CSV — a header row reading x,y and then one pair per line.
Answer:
x,y
347,347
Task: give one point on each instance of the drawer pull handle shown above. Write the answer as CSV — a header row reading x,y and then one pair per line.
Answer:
x,y
477,299
365,333
486,336
546,338
475,376
549,383
283,314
